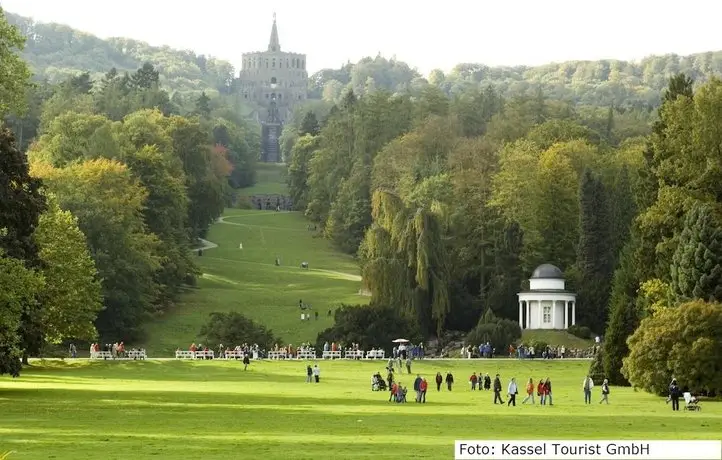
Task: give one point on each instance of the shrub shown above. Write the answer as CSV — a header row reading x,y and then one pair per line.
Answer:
x,y
235,329
681,342
583,332
499,332
243,202
369,326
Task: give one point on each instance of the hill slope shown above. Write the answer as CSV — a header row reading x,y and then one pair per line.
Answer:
x,y
246,280
57,51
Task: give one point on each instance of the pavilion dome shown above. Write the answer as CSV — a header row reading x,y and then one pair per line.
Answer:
x,y
547,271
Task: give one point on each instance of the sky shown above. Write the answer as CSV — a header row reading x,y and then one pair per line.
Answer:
x,y
425,35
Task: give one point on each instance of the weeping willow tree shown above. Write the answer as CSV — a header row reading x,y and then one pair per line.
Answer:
x,y
404,261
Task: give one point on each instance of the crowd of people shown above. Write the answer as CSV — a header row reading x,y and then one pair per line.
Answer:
x,y
116,350
486,350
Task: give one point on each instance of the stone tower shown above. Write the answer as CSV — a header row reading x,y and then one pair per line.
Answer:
x,y
274,81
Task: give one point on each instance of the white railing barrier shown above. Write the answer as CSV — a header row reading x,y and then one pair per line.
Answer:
x,y
354,354
205,354
332,354
376,354
101,355
281,354
184,354
307,354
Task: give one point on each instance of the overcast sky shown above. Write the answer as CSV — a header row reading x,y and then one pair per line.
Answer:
x,y
426,35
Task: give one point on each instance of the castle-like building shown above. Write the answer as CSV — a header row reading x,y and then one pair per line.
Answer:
x,y
274,81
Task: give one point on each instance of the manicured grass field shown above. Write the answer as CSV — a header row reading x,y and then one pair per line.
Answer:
x,y
270,180
215,410
247,280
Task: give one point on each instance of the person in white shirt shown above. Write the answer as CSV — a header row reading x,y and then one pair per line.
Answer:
x,y
316,373
513,390
587,386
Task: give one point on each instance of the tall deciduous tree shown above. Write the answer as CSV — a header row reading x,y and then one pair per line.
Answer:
x,y
108,203
71,297
20,287
683,342
15,79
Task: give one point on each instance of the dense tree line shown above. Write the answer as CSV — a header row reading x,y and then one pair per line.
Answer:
x,y
99,215
450,205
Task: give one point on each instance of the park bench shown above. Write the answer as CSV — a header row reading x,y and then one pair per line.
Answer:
x,y
354,354
101,355
332,354
233,354
281,354
184,354
307,354
205,354
375,354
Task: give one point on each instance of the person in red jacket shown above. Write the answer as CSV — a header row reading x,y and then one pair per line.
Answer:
x,y
541,392
473,379
424,386
439,381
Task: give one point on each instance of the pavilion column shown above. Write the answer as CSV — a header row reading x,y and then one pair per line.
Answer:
x,y
566,314
528,314
521,315
574,312
554,309
541,313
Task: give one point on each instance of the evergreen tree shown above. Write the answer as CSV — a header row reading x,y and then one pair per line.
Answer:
x,y
309,125
203,107
623,316
595,260
696,269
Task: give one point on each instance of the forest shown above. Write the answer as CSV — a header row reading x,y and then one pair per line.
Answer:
x,y
449,191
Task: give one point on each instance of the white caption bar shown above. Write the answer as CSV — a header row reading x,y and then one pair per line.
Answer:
x,y
588,450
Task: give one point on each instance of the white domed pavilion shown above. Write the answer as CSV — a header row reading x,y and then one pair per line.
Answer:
x,y
547,304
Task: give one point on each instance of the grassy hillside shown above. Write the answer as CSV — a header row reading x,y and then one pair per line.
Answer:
x,y
247,280
555,338
215,410
271,180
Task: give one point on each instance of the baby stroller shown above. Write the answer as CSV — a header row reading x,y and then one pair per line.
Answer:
x,y
377,383
691,403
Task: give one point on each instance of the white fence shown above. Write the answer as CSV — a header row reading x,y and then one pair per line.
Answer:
x,y
307,354
332,354
354,354
128,355
185,354
376,354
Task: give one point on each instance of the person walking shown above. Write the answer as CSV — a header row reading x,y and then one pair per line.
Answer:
x,y
316,373
497,390
513,390
73,351
449,380
309,374
605,392
587,386
246,361
548,391
424,387
529,391
417,388
674,394
540,391
408,365
473,379
439,381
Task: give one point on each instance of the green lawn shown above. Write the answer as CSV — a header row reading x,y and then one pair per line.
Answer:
x,y
215,410
271,180
247,280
